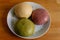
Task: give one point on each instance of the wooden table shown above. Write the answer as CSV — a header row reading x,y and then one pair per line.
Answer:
x,y
51,5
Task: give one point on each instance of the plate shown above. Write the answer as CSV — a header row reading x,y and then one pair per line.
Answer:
x,y
40,30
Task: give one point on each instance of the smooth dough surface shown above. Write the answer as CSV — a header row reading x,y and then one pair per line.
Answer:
x,y
23,10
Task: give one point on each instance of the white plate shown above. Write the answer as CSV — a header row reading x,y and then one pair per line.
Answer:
x,y
40,30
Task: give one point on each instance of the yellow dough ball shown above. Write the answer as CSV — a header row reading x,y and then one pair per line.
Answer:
x,y
23,10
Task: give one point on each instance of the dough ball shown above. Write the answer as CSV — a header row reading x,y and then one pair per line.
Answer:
x,y
23,10
40,16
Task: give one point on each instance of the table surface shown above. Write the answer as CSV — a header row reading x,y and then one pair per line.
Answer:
x,y
53,6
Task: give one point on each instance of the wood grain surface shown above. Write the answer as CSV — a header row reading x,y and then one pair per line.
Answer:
x,y
51,5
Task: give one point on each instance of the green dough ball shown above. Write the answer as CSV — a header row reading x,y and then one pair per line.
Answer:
x,y
24,27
